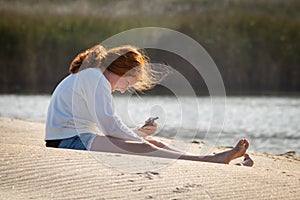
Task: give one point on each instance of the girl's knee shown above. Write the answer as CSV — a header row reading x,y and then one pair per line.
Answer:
x,y
145,147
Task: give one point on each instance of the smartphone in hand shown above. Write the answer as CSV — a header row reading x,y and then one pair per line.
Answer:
x,y
150,122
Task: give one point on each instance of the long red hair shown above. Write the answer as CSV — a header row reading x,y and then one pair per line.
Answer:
x,y
123,61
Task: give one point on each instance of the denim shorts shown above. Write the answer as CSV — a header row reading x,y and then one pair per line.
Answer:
x,y
82,141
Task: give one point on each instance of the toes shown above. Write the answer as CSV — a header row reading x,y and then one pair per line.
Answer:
x,y
248,162
246,143
240,143
243,143
246,157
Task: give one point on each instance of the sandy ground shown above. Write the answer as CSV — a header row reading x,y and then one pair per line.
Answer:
x,y
29,170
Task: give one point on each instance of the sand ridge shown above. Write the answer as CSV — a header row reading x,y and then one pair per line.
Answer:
x,y
30,170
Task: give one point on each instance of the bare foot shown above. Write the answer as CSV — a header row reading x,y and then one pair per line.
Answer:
x,y
239,150
227,156
247,161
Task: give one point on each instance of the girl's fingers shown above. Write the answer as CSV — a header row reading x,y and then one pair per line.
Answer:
x,y
148,120
150,127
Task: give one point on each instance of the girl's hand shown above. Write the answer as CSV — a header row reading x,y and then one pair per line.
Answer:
x,y
147,130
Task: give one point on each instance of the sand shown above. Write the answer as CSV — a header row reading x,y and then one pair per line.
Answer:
x,y
29,170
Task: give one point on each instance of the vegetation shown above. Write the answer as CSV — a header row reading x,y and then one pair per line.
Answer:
x,y
255,44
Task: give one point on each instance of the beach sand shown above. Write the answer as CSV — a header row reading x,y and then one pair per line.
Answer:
x,y
29,170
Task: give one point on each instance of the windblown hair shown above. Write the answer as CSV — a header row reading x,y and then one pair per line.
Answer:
x,y
123,61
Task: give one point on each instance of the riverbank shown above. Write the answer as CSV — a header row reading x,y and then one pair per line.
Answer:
x,y
30,170
256,52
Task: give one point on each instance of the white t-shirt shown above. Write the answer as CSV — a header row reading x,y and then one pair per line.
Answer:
x,y
82,103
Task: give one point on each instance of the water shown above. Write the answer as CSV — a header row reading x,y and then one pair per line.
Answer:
x,y
270,123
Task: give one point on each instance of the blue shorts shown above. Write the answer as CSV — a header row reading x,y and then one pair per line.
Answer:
x,y
82,141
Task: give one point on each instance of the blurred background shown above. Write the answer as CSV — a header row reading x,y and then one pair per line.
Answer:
x,y
254,43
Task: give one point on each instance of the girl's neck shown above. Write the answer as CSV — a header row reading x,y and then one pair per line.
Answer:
x,y
112,78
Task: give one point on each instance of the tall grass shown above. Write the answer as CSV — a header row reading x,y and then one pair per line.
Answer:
x,y
255,44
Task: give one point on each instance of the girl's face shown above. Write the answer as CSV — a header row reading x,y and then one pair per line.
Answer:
x,y
124,83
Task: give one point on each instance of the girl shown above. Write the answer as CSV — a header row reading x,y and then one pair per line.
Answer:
x,y
81,113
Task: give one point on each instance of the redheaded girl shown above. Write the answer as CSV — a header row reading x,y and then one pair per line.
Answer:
x,y
81,114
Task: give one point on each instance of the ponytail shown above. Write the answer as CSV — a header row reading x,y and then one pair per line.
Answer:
x,y
89,57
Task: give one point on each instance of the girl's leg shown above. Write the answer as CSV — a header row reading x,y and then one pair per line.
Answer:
x,y
161,144
115,145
